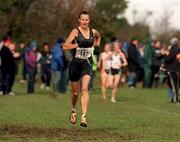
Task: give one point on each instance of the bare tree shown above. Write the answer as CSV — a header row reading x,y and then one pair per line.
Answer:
x,y
163,24
49,19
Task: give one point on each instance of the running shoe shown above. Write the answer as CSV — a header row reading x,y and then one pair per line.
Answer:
x,y
113,100
73,117
104,97
83,121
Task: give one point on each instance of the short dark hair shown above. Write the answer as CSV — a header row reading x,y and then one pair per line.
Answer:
x,y
155,41
60,40
133,39
45,43
6,37
85,12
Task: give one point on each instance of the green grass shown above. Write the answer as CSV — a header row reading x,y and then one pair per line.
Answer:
x,y
138,116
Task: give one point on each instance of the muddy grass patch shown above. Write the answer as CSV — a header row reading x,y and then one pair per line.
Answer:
x,y
74,134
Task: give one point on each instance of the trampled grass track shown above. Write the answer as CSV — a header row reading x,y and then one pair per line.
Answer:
x,y
139,115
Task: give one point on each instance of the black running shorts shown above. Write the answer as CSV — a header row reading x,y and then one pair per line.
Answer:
x,y
107,71
115,71
78,68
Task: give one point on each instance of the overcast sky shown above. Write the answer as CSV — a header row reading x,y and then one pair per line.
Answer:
x,y
158,8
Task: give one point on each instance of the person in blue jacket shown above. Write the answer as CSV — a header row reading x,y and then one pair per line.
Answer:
x,y
57,63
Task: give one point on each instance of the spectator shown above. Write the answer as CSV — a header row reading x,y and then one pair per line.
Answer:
x,y
173,68
147,64
133,63
45,62
22,50
16,55
31,60
1,89
57,64
157,61
63,83
7,66
178,57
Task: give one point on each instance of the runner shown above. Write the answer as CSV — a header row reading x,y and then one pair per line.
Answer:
x,y
118,61
104,64
81,40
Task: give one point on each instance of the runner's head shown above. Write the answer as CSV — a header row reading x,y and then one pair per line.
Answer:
x,y
107,47
84,19
117,46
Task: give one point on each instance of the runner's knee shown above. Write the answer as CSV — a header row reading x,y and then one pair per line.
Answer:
x,y
115,85
84,90
76,92
103,85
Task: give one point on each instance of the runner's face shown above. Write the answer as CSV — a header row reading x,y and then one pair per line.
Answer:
x,y
106,48
116,47
84,21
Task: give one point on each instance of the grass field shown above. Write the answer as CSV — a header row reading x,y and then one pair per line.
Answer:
x,y
138,116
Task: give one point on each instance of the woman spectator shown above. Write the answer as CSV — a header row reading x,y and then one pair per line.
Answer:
x,y
31,60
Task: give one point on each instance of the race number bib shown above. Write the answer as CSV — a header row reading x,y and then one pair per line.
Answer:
x,y
83,53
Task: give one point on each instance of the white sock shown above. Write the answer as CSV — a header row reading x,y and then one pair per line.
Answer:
x,y
74,109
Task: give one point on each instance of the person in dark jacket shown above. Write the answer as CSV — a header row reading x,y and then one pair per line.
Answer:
x,y
22,50
157,61
173,68
133,62
7,66
16,56
45,67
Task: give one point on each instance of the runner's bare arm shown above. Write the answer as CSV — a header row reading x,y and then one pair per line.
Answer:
x,y
97,37
99,61
68,43
125,63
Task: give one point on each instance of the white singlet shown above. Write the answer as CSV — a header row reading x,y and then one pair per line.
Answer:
x,y
116,61
106,60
